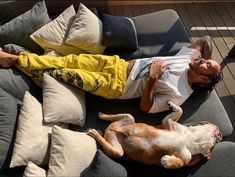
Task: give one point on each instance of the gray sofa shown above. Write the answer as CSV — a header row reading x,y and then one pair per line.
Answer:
x,y
159,34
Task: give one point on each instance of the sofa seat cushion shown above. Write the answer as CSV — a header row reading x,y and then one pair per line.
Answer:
x,y
16,83
104,166
8,117
207,108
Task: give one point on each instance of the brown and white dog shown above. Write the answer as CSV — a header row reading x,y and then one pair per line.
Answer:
x,y
171,144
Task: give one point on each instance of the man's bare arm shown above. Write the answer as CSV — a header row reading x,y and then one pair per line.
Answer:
x,y
156,70
204,46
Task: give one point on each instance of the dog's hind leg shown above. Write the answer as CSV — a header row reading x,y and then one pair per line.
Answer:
x,y
116,117
110,143
173,116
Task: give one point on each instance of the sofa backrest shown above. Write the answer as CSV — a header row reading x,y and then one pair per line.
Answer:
x,y
11,9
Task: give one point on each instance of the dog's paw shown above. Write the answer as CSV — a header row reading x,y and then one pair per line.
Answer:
x,y
102,115
171,162
173,106
165,161
93,133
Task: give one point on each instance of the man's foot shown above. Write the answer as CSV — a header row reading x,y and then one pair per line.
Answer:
x,y
7,60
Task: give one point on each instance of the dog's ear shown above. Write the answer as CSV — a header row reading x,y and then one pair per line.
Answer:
x,y
209,153
195,159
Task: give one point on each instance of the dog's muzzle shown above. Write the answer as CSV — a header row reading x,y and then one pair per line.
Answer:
x,y
218,135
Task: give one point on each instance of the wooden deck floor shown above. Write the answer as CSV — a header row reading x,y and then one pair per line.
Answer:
x,y
200,19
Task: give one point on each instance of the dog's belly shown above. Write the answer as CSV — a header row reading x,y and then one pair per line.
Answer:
x,y
142,143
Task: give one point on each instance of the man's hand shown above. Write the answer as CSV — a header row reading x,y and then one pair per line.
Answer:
x,y
157,69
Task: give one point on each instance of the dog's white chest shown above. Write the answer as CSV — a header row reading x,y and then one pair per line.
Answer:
x,y
174,138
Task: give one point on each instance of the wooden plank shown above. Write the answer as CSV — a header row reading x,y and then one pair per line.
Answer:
x,y
144,9
228,21
224,34
136,2
196,18
221,18
171,6
119,10
230,9
111,10
162,6
153,8
217,22
136,10
128,11
183,13
219,43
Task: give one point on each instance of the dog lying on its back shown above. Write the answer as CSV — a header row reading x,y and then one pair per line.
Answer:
x,y
171,144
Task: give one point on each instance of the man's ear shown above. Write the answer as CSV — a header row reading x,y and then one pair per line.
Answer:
x,y
204,79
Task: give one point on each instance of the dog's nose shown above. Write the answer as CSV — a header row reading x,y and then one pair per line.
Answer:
x,y
218,135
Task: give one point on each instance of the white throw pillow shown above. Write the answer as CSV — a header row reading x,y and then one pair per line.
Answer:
x,y
53,34
32,141
86,31
71,152
62,102
33,170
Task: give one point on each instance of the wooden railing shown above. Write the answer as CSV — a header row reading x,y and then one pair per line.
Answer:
x,y
136,2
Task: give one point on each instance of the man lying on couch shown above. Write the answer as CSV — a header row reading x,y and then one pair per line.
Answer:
x,y
156,80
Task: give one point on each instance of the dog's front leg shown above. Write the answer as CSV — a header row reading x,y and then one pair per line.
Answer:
x,y
111,147
172,117
171,162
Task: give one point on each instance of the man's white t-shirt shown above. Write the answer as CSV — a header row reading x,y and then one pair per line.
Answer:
x,y
172,86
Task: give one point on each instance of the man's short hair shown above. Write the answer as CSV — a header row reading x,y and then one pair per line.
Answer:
x,y
215,79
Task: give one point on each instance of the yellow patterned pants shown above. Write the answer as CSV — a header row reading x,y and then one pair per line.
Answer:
x,y
99,74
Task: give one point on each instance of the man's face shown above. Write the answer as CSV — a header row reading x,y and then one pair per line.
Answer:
x,y
205,67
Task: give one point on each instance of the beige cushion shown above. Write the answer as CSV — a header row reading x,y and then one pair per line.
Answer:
x,y
53,34
62,102
71,152
86,31
32,135
33,170
51,52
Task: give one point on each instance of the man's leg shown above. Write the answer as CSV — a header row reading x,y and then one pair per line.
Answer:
x,y
99,74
